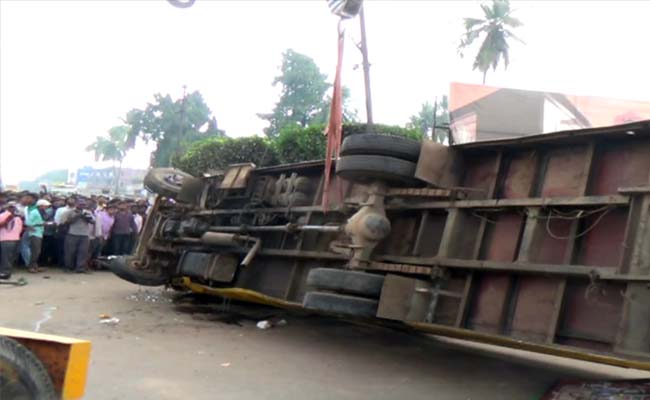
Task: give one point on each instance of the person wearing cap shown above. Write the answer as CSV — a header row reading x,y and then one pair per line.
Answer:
x,y
10,227
80,221
35,224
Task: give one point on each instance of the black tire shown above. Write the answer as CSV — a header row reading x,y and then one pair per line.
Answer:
x,y
367,168
341,304
352,282
22,375
165,181
381,145
123,267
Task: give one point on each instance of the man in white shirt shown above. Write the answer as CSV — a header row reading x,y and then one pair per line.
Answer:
x,y
69,205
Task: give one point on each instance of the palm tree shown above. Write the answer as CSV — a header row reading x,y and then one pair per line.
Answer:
x,y
495,30
112,148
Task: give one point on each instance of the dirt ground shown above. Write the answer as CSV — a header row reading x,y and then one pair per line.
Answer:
x,y
163,350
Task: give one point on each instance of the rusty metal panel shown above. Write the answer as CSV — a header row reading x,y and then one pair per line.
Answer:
x,y
480,174
603,244
266,275
551,247
502,240
534,307
434,226
401,300
237,176
591,312
489,303
621,164
564,174
520,175
437,164
402,235
448,307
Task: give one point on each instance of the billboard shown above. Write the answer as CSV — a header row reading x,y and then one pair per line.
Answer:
x,y
479,112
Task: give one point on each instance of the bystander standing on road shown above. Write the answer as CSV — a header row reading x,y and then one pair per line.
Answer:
x,y
35,226
26,205
106,215
62,229
138,218
95,236
80,222
123,229
49,249
10,228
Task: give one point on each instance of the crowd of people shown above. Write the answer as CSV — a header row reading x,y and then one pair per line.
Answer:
x,y
70,232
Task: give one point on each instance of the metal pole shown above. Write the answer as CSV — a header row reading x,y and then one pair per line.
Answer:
x,y
366,68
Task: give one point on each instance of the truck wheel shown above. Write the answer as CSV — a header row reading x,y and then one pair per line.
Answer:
x,y
381,145
341,304
22,375
352,282
165,181
366,168
123,267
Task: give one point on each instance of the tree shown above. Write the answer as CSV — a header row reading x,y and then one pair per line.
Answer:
x,y
172,124
494,29
303,100
424,120
112,147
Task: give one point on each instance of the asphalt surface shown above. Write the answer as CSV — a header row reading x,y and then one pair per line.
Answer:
x,y
188,349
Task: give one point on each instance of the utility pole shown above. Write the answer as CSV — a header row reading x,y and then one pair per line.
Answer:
x,y
181,128
366,68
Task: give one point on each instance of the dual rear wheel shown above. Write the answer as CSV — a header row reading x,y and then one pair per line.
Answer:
x,y
364,158
343,292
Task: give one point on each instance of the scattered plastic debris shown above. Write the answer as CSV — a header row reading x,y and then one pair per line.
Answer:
x,y
264,324
226,364
109,320
270,323
19,282
149,296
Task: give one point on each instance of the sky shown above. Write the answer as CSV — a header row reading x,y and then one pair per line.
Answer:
x,y
70,69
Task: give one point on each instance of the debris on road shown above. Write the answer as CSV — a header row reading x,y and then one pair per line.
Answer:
x,y
108,320
149,296
19,282
264,325
270,323
226,364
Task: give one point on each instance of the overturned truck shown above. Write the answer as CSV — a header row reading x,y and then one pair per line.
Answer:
x,y
540,242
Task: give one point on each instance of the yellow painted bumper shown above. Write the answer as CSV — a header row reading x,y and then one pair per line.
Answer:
x,y
65,359
239,294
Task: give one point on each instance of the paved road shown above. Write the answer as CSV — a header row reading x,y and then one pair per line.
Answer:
x,y
160,350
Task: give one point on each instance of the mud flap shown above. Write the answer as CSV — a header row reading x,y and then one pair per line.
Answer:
x,y
401,300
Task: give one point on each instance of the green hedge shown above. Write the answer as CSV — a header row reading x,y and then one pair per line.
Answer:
x,y
293,144
381,129
219,152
